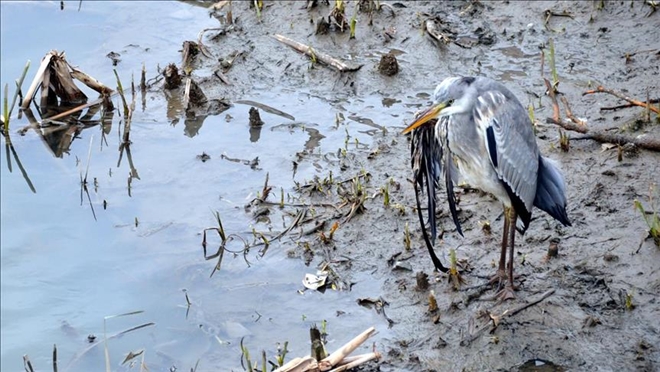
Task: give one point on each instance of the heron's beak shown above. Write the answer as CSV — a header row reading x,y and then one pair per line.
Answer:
x,y
425,116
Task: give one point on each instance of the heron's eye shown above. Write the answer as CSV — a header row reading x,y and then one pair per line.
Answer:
x,y
450,102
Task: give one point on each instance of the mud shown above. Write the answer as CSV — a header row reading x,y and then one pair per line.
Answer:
x,y
603,260
588,296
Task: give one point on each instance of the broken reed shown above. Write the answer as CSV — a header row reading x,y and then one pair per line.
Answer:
x,y
7,109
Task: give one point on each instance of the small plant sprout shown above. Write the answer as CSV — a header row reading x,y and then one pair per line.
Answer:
x,y
281,353
386,194
259,5
353,23
407,242
334,228
433,303
564,142
455,277
324,327
629,301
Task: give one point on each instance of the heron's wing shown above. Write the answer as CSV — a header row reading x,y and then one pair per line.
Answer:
x,y
507,132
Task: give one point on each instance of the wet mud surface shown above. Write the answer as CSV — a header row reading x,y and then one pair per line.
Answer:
x,y
604,260
593,306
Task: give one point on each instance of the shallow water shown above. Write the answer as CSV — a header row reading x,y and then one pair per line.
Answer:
x,y
63,271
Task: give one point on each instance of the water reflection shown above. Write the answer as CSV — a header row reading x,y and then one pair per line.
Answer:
x,y
255,132
193,120
59,135
315,136
9,147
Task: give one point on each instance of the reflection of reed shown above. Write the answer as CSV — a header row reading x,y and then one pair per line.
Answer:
x,y
59,136
126,142
9,147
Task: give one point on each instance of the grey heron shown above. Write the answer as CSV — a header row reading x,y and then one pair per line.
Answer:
x,y
477,130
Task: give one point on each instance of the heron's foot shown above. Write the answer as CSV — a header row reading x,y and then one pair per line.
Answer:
x,y
505,293
498,279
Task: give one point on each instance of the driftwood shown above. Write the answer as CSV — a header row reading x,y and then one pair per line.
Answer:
x,y
315,54
576,125
90,81
335,362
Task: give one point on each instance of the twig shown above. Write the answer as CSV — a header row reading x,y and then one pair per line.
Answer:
x,y
569,113
496,319
605,137
632,101
323,57
553,97
89,81
627,105
532,303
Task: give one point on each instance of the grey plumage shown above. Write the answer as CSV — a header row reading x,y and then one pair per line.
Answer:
x,y
485,135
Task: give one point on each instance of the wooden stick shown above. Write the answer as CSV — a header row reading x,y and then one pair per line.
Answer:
x,y
73,110
356,361
299,364
627,105
336,357
323,57
45,62
532,303
553,97
89,81
496,319
606,137
633,101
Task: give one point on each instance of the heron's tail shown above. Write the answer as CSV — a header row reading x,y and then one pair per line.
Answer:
x,y
551,191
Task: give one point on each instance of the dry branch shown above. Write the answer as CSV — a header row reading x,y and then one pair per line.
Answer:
x,y
314,54
627,105
508,313
553,97
632,101
606,137
577,125
90,81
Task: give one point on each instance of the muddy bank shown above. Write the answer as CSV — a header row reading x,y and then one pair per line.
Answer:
x,y
329,142
603,313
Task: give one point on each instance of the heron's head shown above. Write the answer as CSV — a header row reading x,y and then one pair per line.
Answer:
x,y
450,97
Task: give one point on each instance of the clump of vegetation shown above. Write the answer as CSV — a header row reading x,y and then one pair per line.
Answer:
x,y
651,217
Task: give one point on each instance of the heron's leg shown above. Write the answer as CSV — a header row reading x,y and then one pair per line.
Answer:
x,y
511,242
500,276
510,218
